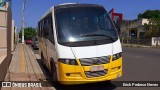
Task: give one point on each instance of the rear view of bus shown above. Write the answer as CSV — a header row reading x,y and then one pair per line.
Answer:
x,y
86,44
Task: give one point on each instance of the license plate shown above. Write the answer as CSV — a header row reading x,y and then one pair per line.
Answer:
x,y
97,68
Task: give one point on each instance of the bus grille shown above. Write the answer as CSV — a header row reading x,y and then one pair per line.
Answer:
x,y
95,61
96,74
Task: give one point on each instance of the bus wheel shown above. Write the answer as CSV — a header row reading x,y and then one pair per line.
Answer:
x,y
53,72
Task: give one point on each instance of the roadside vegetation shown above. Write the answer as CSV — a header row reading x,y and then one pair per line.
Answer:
x,y
153,28
29,33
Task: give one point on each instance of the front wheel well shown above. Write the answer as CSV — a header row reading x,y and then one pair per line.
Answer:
x,y
53,69
51,64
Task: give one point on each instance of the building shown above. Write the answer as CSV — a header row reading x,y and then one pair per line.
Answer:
x,y
133,29
5,38
16,37
3,31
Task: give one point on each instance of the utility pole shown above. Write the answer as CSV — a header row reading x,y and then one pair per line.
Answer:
x,y
23,8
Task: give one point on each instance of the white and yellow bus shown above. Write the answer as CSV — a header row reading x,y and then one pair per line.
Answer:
x,y
79,44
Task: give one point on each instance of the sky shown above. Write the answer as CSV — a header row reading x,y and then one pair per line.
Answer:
x,y
34,9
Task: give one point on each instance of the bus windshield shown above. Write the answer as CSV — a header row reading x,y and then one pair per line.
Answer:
x,y
77,24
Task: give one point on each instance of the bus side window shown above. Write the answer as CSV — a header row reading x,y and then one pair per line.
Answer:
x,y
50,27
39,29
42,28
46,29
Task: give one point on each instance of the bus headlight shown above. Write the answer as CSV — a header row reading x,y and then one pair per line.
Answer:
x,y
117,56
68,61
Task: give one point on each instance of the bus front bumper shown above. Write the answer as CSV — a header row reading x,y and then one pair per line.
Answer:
x,y
71,74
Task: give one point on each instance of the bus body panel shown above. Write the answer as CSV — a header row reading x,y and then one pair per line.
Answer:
x,y
43,48
117,47
85,52
65,52
92,51
77,75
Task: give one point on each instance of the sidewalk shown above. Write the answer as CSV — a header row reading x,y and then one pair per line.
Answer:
x,y
24,67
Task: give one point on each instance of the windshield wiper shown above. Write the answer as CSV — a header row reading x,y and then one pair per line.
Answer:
x,y
88,35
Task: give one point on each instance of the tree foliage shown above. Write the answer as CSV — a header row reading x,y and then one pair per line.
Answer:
x,y
150,14
153,27
29,33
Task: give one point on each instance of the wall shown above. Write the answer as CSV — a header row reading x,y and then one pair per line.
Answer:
x,y
3,18
3,38
12,39
133,24
3,28
155,41
5,63
145,21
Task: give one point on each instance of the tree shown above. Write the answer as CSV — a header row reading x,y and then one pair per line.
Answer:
x,y
29,33
153,27
150,14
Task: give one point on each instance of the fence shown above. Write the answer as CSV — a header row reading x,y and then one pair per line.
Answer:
x,y
147,42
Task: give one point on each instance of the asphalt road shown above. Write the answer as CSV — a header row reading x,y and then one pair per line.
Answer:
x,y
139,64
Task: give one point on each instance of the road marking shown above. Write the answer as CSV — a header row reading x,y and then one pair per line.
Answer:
x,y
23,60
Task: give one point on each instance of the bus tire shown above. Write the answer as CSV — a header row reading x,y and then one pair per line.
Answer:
x,y
42,59
53,72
